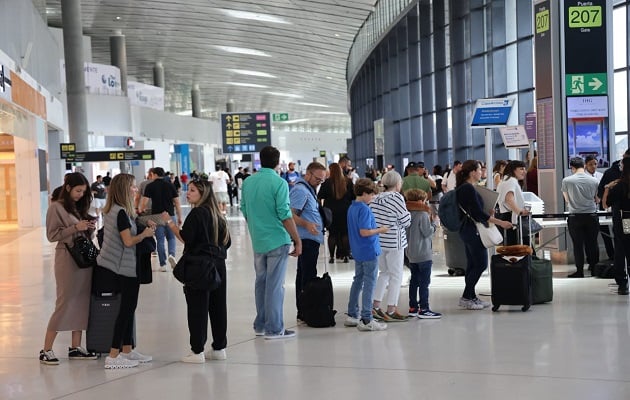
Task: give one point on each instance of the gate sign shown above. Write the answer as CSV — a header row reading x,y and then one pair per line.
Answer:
x,y
245,132
491,113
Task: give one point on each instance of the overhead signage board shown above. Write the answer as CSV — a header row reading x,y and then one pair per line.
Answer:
x,y
514,137
245,132
101,156
585,37
491,113
280,117
67,149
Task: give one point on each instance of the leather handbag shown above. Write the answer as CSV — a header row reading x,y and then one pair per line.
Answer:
x,y
83,251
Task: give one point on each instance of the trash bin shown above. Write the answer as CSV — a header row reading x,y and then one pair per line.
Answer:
x,y
454,252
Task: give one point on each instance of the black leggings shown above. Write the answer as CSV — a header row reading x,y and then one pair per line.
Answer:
x,y
338,240
123,329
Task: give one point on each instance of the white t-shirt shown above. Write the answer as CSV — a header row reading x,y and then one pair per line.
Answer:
x,y
219,181
505,187
451,181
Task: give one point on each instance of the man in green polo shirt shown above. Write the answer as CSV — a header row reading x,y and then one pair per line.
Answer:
x,y
415,179
265,206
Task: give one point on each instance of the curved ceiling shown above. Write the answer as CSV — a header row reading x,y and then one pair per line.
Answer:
x,y
300,47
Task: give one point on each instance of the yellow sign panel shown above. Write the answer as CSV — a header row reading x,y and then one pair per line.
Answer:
x,y
235,118
229,133
236,125
237,133
237,140
542,21
585,17
229,141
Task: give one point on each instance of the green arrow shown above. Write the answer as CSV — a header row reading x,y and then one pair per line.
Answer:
x,y
595,83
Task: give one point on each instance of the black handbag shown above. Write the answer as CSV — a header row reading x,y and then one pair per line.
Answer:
x,y
196,269
83,251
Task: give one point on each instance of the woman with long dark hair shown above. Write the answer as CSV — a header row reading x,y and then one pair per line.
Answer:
x,y
337,192
67,218
617,196
476,254
118,255
205,222
511,202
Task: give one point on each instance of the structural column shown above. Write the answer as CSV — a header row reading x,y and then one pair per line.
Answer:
x,y
195,95
230,106
118,54
158,75
75,78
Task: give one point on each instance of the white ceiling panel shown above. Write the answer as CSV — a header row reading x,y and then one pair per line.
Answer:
x,y
307,53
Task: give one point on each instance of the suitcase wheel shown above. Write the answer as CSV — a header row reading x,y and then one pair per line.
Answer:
x,y
525,308
451,271
495,308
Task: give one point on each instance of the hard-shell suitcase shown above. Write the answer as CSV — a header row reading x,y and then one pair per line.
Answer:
x,y
104,309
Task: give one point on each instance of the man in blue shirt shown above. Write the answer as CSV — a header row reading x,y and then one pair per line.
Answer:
x,y
265,206
306,215
292,175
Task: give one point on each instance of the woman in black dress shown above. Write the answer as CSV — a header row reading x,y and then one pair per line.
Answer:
x,y
337,192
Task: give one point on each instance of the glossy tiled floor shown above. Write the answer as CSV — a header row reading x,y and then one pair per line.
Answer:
x,y
578,347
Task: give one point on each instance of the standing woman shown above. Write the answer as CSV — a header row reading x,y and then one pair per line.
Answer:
x,y
67,218
205,216
337,192
510,201
390,210
476,253
617,196
498,171
118,255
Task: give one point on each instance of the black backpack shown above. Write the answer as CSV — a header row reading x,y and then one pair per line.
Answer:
x,y
317,301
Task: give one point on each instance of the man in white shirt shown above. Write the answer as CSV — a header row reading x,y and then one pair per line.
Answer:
x,y
451,179
220,180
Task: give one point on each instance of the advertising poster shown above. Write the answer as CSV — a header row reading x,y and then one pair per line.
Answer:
x,y
587,128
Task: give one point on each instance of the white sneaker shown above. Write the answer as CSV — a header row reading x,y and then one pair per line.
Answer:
x,y
470,304
119,362
163,268
373,325
216,355
485,304
351,321
137,356
194,358
171,260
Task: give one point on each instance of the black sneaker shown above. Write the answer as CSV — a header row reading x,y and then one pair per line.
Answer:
x,y
48,357
79,353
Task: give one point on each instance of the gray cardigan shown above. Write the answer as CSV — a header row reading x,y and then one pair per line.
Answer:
x,y
419,234
114,255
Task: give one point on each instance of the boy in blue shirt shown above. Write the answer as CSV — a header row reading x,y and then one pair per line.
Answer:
x,y
363,234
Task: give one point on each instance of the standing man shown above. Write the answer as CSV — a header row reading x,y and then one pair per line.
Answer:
x,y
265,206
305,210
107,179
590,165
580,192
449,182
220,180
345,164
163,197
416,179
99,195
292,175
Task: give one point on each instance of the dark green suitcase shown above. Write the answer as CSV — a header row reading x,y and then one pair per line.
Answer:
x,y
541,274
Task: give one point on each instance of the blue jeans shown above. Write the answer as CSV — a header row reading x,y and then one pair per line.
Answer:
x,y
271,268
420,280
365,273
162,231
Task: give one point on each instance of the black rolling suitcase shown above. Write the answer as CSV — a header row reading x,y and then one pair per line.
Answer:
x,y
510,279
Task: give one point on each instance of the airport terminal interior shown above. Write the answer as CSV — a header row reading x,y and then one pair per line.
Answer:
x,y
101,86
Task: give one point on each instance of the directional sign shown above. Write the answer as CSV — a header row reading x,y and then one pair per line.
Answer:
x,y
99,156
67,149
280,117
245,132
491,112
586,84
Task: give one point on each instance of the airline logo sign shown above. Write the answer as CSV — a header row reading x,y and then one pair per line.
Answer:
x,y
246,132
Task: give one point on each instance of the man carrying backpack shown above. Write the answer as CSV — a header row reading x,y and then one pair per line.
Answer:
x,y
304,206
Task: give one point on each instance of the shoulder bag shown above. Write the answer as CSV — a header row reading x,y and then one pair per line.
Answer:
x,y
196,269
83,252
489,235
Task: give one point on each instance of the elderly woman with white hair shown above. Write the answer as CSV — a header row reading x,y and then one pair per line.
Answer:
x,y
389,210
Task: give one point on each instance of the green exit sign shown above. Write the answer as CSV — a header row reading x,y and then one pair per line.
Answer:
x,y
280,117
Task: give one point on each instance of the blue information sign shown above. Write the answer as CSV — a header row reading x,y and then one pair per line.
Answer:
x,y
491,112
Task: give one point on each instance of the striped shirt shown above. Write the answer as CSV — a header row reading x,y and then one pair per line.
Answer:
x,y
390,210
